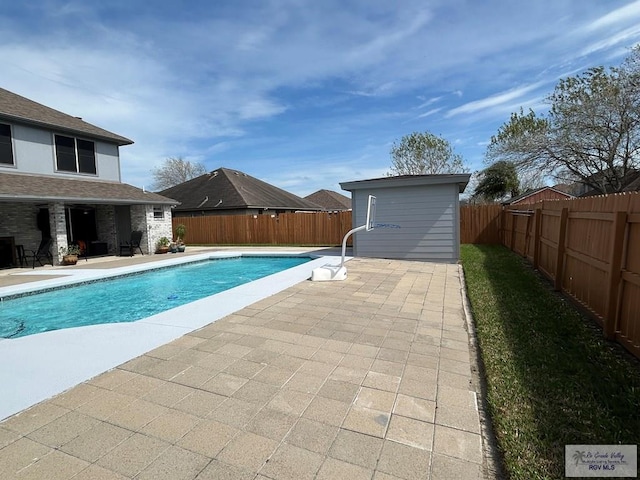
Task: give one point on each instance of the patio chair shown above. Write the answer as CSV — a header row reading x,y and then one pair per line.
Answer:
x,y
82,245
42,253
132,244
20,255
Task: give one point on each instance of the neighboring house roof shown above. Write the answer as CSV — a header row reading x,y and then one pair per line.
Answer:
x,y
19,109
330,200
630,182
564,187
633,184
39,188
462,179
226,189
557,194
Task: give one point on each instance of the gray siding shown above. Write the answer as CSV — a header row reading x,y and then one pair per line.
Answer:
x,y
427,216
34,153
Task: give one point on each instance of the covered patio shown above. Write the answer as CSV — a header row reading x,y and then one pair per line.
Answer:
x,y
96,215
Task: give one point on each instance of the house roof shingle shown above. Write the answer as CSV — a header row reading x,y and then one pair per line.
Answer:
x,y
630,182
330,200
226,189
529,193
16,108
633,183
21,188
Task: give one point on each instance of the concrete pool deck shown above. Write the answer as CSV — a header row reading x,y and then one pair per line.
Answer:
x,y
46,364
366,378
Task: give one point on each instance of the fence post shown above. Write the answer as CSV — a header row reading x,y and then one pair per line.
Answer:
x,y
537,226
513,233
527,235
615,267
564,215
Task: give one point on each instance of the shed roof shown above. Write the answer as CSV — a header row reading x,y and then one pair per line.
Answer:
x,y
40,188
330,200
461,179
225,189
18,109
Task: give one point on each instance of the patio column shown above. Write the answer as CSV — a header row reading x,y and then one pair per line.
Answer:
x,y
58,224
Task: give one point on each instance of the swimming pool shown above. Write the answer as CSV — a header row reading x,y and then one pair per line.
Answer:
x,y
133,297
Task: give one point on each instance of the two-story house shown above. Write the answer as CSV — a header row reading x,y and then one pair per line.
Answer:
x,y
60,178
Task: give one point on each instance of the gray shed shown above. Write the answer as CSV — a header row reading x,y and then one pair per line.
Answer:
x,y
418,216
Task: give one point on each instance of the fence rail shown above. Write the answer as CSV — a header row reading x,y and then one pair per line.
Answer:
x,y
284,229
589,248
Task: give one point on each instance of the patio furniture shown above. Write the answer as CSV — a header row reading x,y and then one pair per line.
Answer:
x,y
132,244
82,245
97,248
42,253
21,257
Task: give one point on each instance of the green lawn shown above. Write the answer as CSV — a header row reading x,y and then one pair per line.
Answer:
x,y
551,377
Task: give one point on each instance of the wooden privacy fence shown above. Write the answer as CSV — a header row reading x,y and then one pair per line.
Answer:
x,y
590,249
480,224
285,229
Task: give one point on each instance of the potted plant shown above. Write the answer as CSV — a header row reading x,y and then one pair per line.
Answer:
x,y
173,247
162,246
69,254
181,231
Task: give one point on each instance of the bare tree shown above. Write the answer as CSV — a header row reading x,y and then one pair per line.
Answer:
x,y
174,171
591,134
423,154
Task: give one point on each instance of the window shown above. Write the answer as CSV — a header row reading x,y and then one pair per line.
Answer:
x,y
75,155
158,213
6,147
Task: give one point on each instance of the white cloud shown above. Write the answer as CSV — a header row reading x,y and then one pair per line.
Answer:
x,y
429,102
624,37
428,113
303,182
625,14
490,103
318,83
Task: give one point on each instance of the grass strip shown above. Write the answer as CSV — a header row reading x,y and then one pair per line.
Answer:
x,y
552,379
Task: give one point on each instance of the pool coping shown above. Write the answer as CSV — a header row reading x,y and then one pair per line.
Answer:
x,y
45,364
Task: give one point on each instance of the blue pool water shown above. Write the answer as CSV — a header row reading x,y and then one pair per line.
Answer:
x,y
132,297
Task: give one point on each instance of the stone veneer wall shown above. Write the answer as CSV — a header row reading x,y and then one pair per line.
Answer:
x,y
142,218
58,224
106,227
19,220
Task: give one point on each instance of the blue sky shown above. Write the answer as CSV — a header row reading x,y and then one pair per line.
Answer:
x,y
303,94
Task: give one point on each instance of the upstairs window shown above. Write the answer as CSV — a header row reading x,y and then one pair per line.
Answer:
x,y
75,155
6,147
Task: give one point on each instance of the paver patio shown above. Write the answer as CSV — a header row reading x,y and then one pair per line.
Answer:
x,y
369,378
